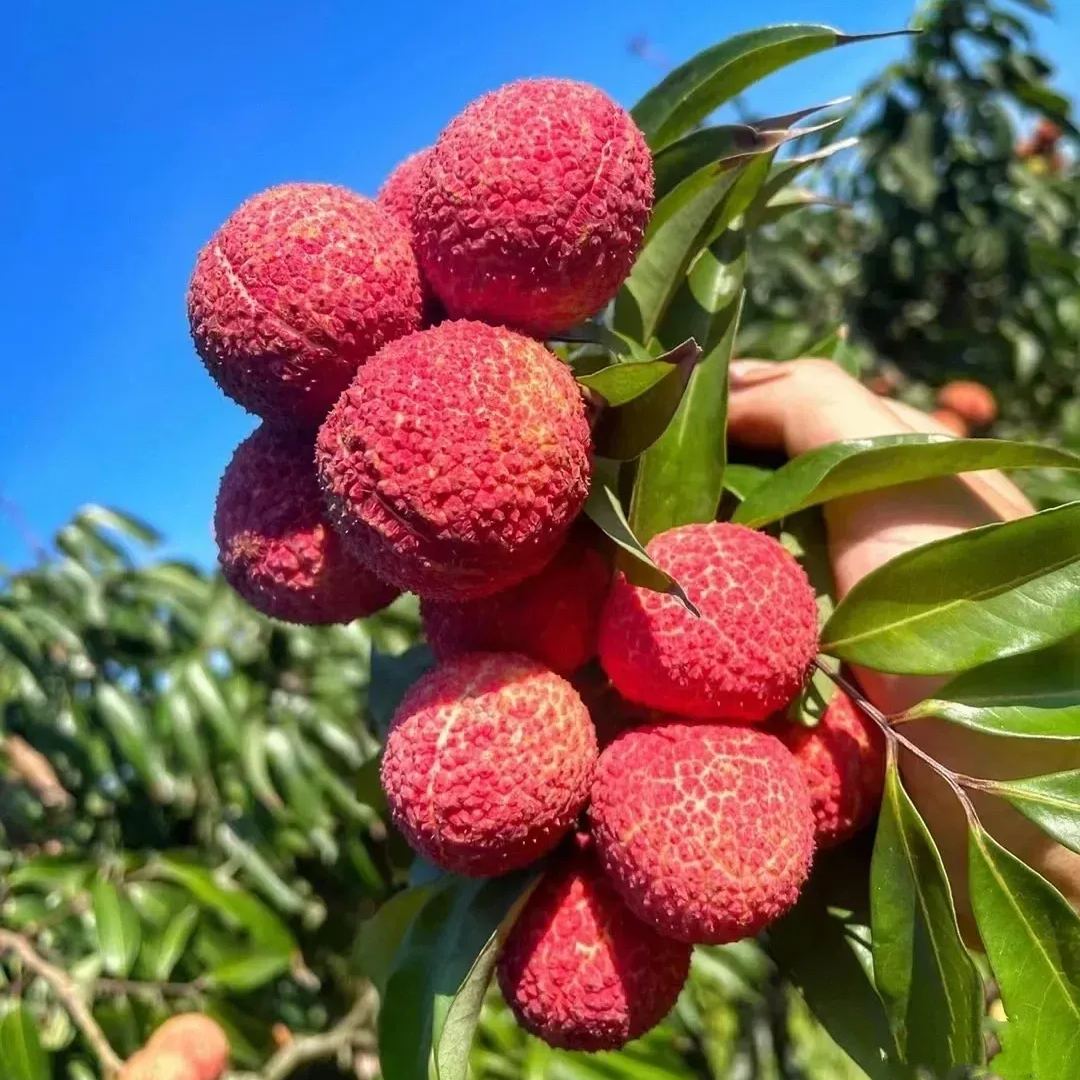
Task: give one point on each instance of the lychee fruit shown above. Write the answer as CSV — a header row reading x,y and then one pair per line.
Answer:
x,y
952,421
274,544
705,829
150,1064
533,205
488,762
579,970
747,655
294,292
843,760
552,616
458,459
198,1039
971,400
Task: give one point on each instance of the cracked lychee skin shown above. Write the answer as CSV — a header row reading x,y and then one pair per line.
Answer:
x,y
275,546
488,762
533,205
458,459
579,970
301,285
705,829
748,654
553,616
970,400
843,760
198,1039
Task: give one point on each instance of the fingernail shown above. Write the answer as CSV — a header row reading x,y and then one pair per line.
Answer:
x,y
743,373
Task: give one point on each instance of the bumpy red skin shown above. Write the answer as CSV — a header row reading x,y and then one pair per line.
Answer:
x,y
488,762
533,206
197,1038
553,616
456,462
579,970
294,292
275,546
843,760
969,399
748,654
705,829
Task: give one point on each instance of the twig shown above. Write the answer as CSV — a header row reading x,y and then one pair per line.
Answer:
x,y
67,993
352,1031
150,989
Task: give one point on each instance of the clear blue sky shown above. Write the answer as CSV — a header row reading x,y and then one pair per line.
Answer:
x,y
132,131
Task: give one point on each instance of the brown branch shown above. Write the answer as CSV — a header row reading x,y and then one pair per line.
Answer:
x,y
149,989
68,994
36,772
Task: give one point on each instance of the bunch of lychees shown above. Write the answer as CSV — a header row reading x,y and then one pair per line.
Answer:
x,y
418,435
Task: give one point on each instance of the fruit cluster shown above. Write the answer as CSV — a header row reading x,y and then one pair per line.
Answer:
x,y
418,435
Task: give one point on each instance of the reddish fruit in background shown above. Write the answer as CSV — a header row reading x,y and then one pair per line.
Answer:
x,y
952,421
457,461
274,544
748,654
198,1039
552,616
488,762
579,970
705,829
533,205
290,296
970,400
150,1064
843,760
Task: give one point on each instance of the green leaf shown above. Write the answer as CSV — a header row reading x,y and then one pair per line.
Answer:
x,y
119,931
438,954
695,89
715,146
857,465
628,428
1052,802
380,937
742,480
102,517
823,947
391,677
995,591
248,972
926,978
21,1055
174,940
605,511
1034,695
1032,939
18,641
125,720
594,333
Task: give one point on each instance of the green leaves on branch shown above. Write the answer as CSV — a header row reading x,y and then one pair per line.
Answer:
x,y
858,465
995,591
1034,695
118,928
926,978
1032,938
21,1054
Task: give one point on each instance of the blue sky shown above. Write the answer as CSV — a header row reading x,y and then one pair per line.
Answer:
x,y
134,129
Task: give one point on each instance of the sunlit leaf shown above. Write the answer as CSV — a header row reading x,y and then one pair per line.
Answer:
x,y
118,929
21,1054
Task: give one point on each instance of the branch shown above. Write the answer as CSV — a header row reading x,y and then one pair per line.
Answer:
x,y
67,993
150,989
352,1031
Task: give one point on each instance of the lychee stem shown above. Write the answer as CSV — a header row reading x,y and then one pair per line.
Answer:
x,y
958,782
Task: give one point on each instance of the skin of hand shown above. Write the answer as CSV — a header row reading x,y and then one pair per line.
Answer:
x,y
800,405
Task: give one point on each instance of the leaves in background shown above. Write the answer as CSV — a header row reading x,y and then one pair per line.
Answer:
x,y
21,1055
118,929
1032,938
391,677
927,979
847,468
1034,695
949,606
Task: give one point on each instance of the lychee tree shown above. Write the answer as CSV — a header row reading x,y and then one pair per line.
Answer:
x,y
590,834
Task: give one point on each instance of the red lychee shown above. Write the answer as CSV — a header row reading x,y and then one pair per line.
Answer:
x,y
971,400
843,760
150,1064
579,970
952,422
294,292
748,654
457,461
488,763
198,1039
533,205
552,616
274,544
705,829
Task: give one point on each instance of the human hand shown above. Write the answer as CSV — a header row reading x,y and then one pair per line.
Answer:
x,y
796,407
